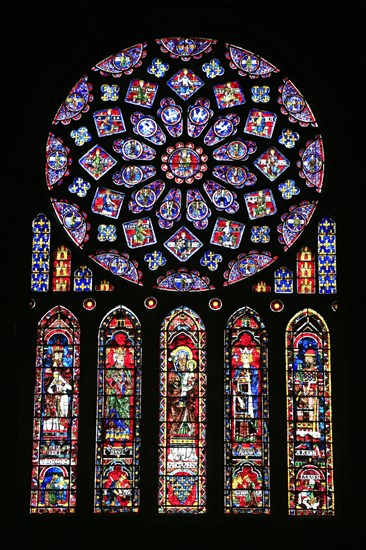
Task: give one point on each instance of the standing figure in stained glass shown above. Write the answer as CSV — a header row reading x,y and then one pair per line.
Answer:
x,y
118,386
57,360
54,488
59,388
305,385
245,392
271,166
182,387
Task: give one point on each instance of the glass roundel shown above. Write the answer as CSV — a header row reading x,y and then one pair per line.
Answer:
x,y
184,163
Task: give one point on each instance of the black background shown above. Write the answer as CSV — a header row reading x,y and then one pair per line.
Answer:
x,y
46,46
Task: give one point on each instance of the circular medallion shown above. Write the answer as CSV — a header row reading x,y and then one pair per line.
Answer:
x,y
75,102
295,103
89,304
184,163
147,127
199,115
132,149
171,115
57,160
223,128
236,150
122,61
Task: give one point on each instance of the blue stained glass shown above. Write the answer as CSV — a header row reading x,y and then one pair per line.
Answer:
x,y
283,281
327,269
40,254
83,280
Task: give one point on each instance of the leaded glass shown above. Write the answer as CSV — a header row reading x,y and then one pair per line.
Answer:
x,y
309,416
117,477
83,279
56,410
41,229
327,267
246,415
164,150
305,268
182,433
283,281
61,269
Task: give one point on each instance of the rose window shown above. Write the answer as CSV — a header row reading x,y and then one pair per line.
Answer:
x,y
184,164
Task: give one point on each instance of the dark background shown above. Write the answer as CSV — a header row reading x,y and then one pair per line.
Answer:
x,y
46,46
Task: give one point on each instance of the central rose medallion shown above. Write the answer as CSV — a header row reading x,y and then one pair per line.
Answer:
x,y
184,162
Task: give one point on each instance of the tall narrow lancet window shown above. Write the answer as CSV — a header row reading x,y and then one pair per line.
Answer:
x,y
182,436
41,229
117,486
246,415
61,269
56,408
327,269
305,271
309,416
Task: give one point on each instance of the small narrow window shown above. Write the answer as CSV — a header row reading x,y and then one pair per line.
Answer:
x,y
305,271
40,280
327,269
61,269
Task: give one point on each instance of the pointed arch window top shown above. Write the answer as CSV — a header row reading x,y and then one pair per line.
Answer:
x,y
309,416
56,411
117,486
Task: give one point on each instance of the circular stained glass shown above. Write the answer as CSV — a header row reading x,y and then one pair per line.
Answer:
x,y
276,306
89,304
184,164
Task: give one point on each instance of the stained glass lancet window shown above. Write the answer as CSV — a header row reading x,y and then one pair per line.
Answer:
x,y
56,408
117,482
61,269
327,271
283,281
41,228
143,155
305,271
309,416
246,415
83,279
182,434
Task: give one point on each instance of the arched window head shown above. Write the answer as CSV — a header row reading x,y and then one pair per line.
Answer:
x,y
182,434
309,416
117,486
56,410
246,438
